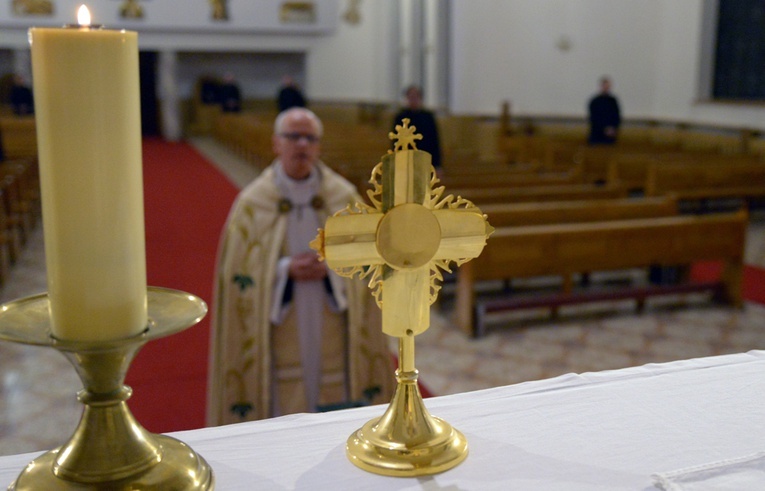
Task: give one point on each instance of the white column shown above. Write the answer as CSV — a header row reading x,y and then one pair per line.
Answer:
x,y
22,64
435,53
168,95
410,43
424,48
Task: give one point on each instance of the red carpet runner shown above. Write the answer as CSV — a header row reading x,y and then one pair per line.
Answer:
x,y
186,203
187,200
753,282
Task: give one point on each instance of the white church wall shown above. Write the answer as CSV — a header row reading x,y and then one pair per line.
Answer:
x,y
258,74
184,15
338,60
545,57
679,71
358,62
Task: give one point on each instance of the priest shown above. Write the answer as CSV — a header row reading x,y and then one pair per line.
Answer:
x,y
288,334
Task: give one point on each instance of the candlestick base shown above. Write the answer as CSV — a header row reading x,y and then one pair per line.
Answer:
x,y
406,441
109,449
179,468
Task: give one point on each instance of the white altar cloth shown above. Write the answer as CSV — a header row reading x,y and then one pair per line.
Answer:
x,y
608,430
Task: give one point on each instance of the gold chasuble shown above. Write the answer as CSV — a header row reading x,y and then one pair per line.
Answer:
x,y
254,363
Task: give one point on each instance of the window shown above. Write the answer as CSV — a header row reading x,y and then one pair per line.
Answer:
x,y
739,72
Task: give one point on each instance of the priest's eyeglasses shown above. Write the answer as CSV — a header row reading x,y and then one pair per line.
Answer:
x,y
296,137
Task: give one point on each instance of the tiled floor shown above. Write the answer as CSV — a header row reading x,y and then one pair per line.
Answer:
x,y
38,408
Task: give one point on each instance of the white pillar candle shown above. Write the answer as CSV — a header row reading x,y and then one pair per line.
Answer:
x,y
87,108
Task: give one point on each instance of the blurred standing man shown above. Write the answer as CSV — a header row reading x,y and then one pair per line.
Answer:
x,y
289,335
22,98
424,121
605,116
229,94
289,95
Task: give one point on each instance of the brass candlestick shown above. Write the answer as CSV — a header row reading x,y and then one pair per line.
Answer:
x,y
402,243
109,449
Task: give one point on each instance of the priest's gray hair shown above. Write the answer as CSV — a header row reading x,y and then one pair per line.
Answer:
x,y
279,123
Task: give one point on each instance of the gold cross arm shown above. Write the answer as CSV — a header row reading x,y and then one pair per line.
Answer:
x,y
403,240
352,239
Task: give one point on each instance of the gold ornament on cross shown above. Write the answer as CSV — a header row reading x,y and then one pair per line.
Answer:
x,y
402,243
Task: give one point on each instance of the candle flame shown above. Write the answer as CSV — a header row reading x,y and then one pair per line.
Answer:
x,y
83,15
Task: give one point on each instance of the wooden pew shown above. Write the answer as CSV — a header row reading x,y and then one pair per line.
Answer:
x,y
736,179
566,249
595,159
511,179
581,211
570,192
18,136
8,244
631,169
246,134
522,148
20,193
351,149
469,165
545,213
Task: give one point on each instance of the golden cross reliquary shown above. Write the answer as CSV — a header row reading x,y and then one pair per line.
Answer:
x,y
403,242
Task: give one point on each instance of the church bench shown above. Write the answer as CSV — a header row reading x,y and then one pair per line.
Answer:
x,y
18,136
204,116
19,184
521,148
344,146
8,245
353,161
755,144
712,142
566,249
580,211
357,156
569,192
469,165
11,237
19,207
544,213
591,161
731,179
511,179
247,135
631,169
595,160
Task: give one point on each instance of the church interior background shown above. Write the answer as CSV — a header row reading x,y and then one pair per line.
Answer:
x,y
353,59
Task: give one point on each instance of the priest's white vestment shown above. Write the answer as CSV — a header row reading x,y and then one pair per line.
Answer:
x,y
256,364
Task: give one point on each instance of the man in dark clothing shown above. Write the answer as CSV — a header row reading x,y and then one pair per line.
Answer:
x,y
21,97
289,95
229,95
424,121
605,117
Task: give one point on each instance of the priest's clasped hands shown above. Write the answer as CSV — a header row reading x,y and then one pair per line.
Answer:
x,y
306,266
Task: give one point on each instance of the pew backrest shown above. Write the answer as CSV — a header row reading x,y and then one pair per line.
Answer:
x,y
572,248
737,179
568,192
580,211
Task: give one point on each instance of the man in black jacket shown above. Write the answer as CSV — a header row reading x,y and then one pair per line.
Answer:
x,y
424,121
605,117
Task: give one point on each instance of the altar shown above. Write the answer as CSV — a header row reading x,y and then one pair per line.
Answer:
x,y
608,430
